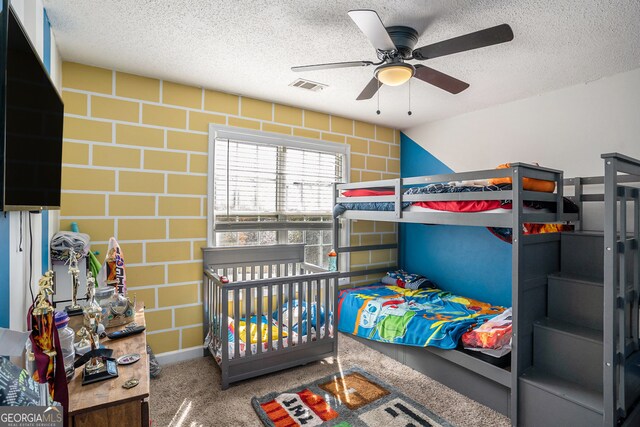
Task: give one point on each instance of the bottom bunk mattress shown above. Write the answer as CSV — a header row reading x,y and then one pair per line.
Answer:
x,y
421,317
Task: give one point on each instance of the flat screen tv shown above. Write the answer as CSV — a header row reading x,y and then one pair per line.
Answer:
x,y
31,116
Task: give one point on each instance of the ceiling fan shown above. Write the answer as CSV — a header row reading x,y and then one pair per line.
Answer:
x,y
394,46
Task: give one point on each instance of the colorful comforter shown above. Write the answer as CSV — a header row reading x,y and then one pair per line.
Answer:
x,y
422,317
267,326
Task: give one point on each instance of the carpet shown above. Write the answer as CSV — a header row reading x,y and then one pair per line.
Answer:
x,y
188,394
352,398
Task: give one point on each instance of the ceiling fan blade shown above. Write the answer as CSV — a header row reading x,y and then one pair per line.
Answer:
x,y
369,90
487,37
438,79
371,25
331,65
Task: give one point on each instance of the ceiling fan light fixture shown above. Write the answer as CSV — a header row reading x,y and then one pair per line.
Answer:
x,y
394,74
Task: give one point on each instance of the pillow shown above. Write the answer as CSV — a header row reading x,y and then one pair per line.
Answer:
x,y
406,280
368,192
531,184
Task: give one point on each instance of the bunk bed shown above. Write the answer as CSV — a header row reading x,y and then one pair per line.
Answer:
x,y
534,256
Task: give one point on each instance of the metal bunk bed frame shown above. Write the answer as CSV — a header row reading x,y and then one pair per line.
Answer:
x,y
486,383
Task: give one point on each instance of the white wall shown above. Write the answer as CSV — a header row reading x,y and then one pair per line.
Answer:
x,y
566,129
31,15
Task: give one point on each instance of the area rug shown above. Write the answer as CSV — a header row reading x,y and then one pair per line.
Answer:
x,y
353,398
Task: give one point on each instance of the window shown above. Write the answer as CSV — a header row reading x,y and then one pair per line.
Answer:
x,y
268,189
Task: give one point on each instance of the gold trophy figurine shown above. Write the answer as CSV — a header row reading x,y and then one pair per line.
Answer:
x,y
45,290
74,309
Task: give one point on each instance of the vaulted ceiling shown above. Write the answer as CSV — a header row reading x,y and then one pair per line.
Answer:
x,y
247,47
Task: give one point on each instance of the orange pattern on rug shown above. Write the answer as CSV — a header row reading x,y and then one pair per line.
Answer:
x,y
354,390
302,408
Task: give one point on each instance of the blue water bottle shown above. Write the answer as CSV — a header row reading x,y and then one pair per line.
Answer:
x,y
333,260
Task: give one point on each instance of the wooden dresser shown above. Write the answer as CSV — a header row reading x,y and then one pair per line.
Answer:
x,y
106,403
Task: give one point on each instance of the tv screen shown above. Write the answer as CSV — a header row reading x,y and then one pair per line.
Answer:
x,y
32,126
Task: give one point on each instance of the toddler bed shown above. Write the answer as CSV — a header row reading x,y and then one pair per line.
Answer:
x,y
265,309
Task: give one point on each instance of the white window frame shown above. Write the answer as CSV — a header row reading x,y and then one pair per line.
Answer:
x,y
271,138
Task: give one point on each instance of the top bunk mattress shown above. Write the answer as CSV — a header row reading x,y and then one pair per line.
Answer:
x,y
462,206
421,317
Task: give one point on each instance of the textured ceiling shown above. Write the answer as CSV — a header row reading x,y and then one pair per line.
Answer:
x,y
247,47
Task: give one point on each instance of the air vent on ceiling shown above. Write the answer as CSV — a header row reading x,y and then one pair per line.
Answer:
x,y
308,85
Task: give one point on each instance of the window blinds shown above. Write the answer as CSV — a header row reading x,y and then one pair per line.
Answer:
x,y
266,182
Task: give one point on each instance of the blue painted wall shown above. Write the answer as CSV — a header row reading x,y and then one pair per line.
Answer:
x,y
46,58
468,261
4,270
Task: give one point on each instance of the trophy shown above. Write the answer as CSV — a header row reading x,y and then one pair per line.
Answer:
x,y
42,324
74,309
98,367
92,312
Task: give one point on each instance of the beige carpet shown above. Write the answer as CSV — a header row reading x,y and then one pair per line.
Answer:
x,y
188,394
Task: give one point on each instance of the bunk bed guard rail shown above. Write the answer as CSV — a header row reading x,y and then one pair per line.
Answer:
x,y
516,171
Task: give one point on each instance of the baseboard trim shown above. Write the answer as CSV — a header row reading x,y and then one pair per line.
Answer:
x,y
171,357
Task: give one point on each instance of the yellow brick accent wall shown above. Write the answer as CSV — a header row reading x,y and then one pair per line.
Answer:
x,y
135,167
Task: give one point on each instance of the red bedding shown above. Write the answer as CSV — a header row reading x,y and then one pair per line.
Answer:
x,y
362,192
449,206
464,205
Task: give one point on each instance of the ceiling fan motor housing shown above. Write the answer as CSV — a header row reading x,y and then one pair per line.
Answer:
x,y
405,39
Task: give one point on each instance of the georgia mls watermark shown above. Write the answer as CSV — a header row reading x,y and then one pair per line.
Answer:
x,y
31,416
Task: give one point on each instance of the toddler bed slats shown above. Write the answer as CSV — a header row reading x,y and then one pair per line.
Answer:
x,y
275,311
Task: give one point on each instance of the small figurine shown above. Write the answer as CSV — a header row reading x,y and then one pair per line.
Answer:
x,y
45,289
84,345
74,309
91,285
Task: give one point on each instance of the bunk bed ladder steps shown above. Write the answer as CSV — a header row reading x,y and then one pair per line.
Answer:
x,y
548,400
586,310
568,351
564,385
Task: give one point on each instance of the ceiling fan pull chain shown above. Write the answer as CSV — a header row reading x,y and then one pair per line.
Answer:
x,y
378,93
409,112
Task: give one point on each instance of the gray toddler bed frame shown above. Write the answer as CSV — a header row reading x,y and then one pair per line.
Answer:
x,y
263,280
